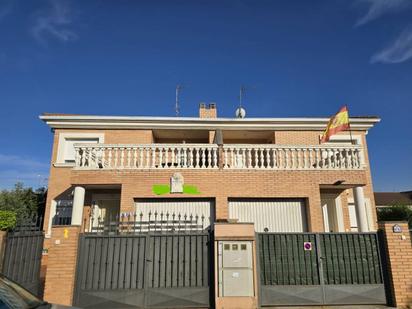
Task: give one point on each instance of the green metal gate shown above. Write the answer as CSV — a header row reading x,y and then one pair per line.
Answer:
x,y
23,253
147,270
320,269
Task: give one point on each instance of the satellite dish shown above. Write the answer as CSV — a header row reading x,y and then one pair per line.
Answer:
x,y
240,112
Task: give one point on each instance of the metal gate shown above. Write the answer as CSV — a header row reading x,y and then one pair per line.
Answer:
x,y
320,269
22,256
144,270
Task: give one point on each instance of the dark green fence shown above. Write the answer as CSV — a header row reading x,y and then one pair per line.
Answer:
x,y
144,270
283,262
23,253
350,259
320,268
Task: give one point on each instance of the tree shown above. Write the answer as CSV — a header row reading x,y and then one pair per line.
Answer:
x,y
22,201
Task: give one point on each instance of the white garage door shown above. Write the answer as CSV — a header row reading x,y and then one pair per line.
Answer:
x,y
177,206
277,215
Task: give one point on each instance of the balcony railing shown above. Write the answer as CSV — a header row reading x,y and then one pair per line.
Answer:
x,y
280,157
206,156
152,156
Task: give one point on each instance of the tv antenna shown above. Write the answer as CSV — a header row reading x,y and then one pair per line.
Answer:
x,y
177,107
241,94
240,111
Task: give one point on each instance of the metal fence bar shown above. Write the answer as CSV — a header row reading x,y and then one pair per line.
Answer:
x,y
335,259
23,252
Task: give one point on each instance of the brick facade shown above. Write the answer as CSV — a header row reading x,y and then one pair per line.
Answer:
x,y
61,267
398,247
219,185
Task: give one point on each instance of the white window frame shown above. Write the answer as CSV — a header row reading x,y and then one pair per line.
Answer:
x,y
60,162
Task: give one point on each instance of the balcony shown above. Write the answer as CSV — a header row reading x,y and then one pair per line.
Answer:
x,y
211,156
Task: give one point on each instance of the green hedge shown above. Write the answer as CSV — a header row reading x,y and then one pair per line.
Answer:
x,y
395,213
7,220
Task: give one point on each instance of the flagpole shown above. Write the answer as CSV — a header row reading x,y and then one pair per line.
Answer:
x,y
350,128
350,133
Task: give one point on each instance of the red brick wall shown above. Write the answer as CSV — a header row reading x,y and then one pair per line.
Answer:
x,y
224,184
61,265
399,253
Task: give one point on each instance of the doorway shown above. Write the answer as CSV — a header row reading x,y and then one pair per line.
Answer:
x,y
332,213
106,208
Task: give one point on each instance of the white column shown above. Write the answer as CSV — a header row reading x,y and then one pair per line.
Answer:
x,y
78,204
361,216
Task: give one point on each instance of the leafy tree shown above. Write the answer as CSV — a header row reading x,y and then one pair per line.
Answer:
x,y
22,201
396,213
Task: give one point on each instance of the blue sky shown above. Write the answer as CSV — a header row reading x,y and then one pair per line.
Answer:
x,y
296,58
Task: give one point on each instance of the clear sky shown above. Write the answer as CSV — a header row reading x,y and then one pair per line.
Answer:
x,y
296,58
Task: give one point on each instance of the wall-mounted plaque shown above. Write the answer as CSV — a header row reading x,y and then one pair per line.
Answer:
x,y
397,228
176,183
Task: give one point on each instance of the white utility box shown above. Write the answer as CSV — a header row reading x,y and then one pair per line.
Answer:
x,y
235,268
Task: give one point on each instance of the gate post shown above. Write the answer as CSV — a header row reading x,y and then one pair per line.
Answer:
x,y
3,235
397,263
233,276
61,266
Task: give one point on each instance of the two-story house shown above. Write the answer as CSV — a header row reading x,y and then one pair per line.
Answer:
x,y
168,174
270,171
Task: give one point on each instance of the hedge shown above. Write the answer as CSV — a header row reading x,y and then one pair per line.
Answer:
x,y
7,220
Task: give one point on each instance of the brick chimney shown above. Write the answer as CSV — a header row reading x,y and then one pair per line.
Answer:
x,y
207,111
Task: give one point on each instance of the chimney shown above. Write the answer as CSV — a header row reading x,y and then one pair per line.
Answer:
x,y
207,111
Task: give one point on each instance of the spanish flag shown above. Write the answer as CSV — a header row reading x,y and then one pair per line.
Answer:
x,y
337,123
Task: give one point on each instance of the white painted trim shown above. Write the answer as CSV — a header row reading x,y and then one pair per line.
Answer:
x,y
133,122
62,142
65,164
330,197
339,214
325,215
51,215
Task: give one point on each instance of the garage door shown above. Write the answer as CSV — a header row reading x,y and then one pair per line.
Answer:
x,y
270,215
188,207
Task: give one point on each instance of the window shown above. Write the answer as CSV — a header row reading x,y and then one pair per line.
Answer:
x,y
63,215
69,152
66,152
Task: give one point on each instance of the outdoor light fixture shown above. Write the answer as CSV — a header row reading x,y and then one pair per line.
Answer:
x,y
338,182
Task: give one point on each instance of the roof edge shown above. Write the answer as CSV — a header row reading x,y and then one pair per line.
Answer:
x,y
143,122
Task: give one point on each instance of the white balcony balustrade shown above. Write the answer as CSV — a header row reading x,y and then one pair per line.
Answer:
x,y
151,156
288,157
206,156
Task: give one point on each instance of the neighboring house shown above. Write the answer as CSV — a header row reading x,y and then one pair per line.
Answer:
x,y
269,171
386,199
185,212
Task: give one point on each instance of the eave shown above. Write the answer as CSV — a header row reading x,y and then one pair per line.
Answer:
x,y
136,122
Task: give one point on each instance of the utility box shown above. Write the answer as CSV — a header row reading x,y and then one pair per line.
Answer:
x,y
235,268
